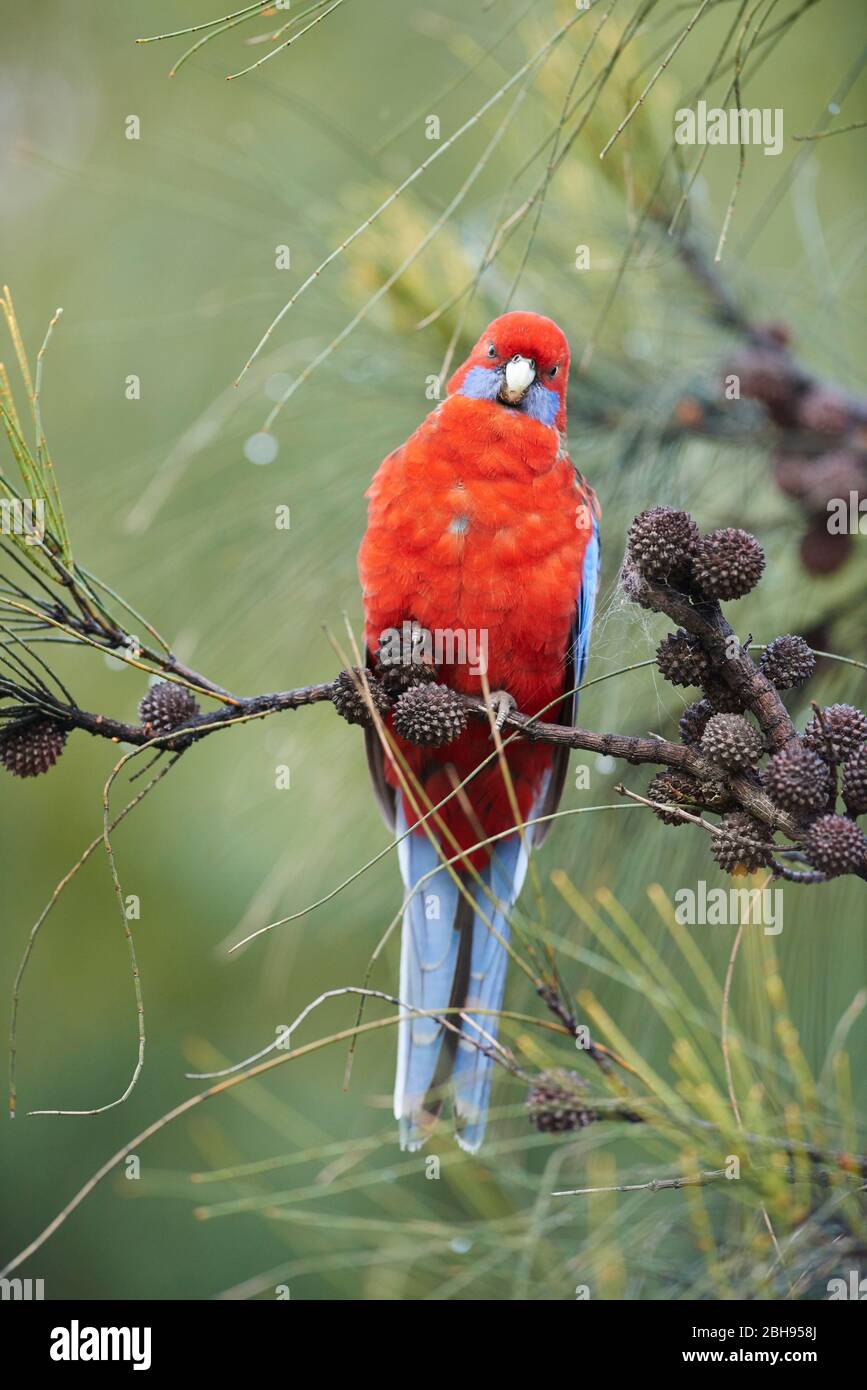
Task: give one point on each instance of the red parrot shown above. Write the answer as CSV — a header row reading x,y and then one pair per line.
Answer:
x,y
480,526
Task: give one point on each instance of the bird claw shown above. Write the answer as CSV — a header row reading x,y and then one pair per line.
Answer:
x,y
504,704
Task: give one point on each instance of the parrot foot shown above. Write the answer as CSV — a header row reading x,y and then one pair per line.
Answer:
x,y
503,704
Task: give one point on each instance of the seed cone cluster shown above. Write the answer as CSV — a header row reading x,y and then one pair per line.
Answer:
x,y
797,779
404,684
662,542
729,563
820,429
430,714
409,667
693,721
801,779
722,698
554,1102
837,732
834,739
742,843
32,747
855,782
166,706
677,788
682,660
674,788
836,845
731,742
348,697
666,545
787,662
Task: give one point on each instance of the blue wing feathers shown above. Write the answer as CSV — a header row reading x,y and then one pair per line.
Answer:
x,y
584,609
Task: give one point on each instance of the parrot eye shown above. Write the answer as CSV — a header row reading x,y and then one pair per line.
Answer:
x,y
492,351
554,370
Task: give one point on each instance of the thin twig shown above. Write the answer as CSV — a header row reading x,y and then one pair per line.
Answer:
x,y
402,187
656,76
654,1185
837,130
287,42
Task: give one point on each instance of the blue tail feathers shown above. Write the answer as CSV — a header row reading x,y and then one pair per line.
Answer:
x,y
449,957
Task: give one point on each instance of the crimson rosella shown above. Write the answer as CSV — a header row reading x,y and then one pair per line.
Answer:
x,y
478,525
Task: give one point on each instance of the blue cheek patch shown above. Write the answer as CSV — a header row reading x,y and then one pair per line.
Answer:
x,y
541,404
483,384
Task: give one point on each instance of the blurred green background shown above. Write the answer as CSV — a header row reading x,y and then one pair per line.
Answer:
x,y
161,251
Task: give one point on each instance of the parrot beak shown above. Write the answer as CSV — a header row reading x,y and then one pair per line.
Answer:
x,y
519,377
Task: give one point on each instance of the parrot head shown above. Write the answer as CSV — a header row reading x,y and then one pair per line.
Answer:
x,y
521,361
